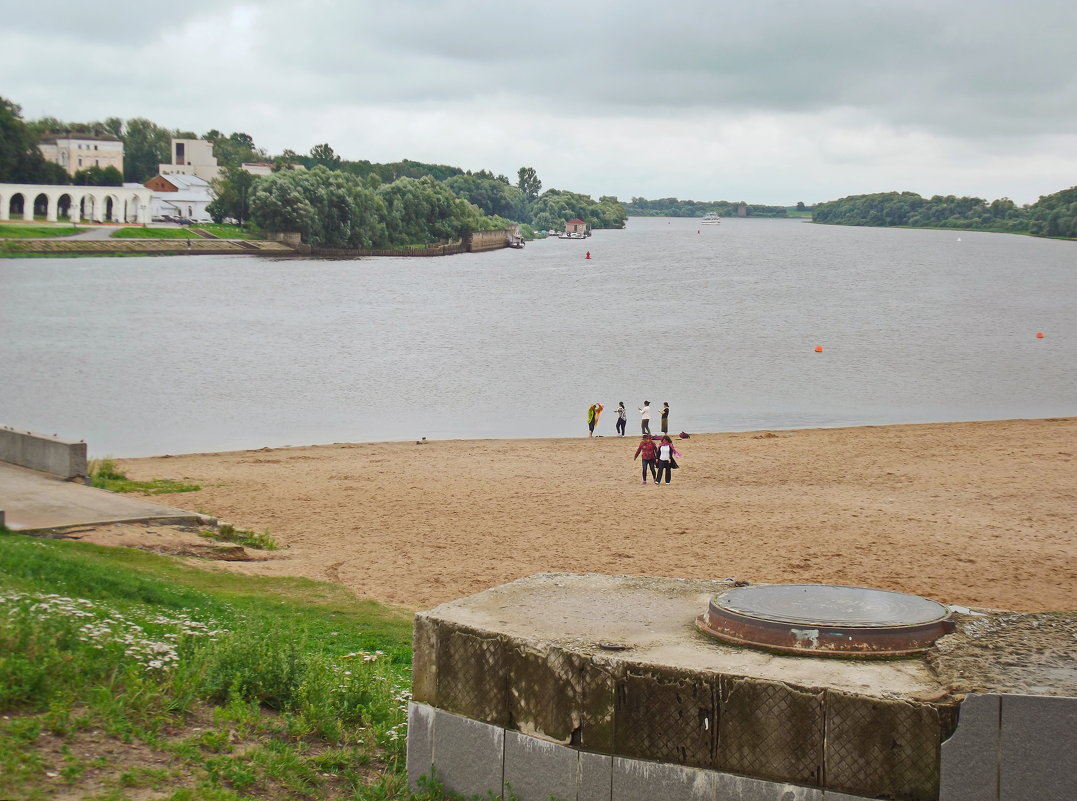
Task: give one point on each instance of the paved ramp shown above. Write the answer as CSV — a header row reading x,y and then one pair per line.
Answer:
x,y
34,501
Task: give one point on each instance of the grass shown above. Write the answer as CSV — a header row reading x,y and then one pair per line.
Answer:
x,y
125,674
225,231
154,233
36,231
226,532
106,475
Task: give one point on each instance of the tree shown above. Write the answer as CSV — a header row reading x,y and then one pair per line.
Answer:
x,y
324,155
21,161
98,176
146,146
232,193
529,183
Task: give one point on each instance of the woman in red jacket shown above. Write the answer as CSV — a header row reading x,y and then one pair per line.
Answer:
x,y
649,451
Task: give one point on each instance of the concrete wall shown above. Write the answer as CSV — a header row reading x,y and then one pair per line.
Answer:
x,y
42,452
1006,748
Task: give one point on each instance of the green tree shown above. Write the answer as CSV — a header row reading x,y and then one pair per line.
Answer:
x,y
324,155
98,176
21,161
529,183
146,146
232,193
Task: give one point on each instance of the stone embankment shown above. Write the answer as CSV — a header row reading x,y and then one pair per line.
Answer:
x,y
145,247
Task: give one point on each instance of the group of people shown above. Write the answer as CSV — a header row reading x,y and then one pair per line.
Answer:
x,y
594,411
659,454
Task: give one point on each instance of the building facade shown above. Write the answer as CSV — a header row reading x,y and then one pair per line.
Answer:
x,y
78,152
192,157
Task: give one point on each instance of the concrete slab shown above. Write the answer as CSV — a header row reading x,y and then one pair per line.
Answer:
x,y
594,782
470,756
1038,743
636,780
34,501
535,769
420,743
969,769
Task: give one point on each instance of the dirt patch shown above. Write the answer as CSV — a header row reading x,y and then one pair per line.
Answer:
x,y
163,539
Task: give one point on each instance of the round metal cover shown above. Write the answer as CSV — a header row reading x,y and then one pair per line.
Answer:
x,y
826,620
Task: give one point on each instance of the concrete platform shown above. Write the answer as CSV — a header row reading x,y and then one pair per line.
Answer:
x,y
591,686
34,501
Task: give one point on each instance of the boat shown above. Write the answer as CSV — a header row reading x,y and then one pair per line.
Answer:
x,y
710,218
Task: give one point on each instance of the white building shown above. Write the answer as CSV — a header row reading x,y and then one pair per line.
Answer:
x,y
192,157
179,195
76,152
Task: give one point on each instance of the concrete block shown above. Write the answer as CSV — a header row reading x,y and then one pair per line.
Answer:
x,y
42,452
828,795
685,705
594,778
969,767
537,769
1038,748
771,730
424,669
469,756
544,691
639,780
743,788
882,748
471,678
420,742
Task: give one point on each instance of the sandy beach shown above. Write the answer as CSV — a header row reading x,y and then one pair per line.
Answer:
x,y
980,514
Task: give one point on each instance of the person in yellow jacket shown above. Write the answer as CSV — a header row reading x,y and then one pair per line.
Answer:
x,y
593,412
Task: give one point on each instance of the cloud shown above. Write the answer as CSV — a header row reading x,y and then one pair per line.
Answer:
x,y
760,101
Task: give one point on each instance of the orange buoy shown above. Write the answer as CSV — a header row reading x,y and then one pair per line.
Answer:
x,y
818,348
1039,335
588,255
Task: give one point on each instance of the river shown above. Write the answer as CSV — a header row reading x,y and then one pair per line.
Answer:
x,y
147,356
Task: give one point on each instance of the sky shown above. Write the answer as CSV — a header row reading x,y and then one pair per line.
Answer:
x,y
762,101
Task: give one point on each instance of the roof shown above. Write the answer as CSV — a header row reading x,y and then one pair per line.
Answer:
x,y
575,220
51,139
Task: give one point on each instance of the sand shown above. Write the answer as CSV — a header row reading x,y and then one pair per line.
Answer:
x,y
979,514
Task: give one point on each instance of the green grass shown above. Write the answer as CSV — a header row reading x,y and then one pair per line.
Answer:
x,y
124,672
229,231
154,233
106,475
36,231
250,539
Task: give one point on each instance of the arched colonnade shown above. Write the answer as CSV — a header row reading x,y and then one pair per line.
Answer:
x,y
75,203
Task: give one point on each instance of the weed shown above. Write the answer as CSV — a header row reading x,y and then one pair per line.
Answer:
x,y
107,475
226,532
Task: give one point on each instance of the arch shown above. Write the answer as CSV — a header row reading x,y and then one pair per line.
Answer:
x,y
64,205
17,205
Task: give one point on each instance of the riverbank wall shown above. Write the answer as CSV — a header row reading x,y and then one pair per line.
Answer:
x,y
143,247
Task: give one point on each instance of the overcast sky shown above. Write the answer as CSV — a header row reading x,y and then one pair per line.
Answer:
x,y
764,101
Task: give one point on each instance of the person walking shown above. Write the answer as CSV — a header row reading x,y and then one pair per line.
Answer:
x,y
593,412
665,418
667,461
648,450
622,418
645,418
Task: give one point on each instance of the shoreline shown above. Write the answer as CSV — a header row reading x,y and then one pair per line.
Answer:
x,y
980,514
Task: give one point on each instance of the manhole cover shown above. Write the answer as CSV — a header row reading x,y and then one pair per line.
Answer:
x,y
826,620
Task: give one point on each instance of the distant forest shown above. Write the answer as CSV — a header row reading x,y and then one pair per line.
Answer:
x,y
674,207
1052,215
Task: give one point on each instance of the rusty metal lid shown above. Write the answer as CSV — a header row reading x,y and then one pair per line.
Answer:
x,y
826,620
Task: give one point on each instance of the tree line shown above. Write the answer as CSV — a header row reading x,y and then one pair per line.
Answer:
x,y
674,207
1051,215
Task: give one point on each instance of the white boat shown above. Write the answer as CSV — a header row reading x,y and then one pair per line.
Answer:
x,y
710,218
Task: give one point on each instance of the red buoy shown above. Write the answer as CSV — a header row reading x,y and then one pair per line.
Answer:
x,y
1039,335
818,348
588,255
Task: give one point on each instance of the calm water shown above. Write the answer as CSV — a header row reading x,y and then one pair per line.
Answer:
x,y
170,355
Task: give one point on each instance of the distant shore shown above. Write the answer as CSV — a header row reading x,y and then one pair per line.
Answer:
x,y
980,514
